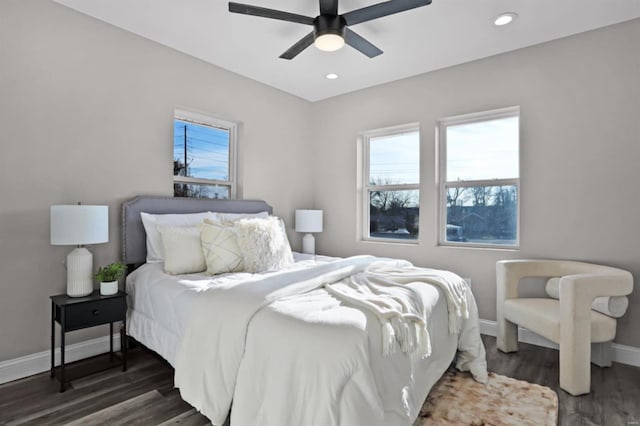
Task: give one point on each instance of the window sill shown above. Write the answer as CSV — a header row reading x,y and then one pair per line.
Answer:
x,y
395,241
480,247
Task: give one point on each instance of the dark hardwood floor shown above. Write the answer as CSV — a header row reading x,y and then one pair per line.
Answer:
x,y
144,395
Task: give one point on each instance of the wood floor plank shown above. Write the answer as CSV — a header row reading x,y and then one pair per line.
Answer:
x,y
38,386
188,418
150,408
113,414
134,365
159,414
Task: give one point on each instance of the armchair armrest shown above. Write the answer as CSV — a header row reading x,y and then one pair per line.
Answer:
x,y
576,296
594,280
586,287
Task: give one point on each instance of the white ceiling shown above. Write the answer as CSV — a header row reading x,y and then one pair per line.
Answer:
x,y
448,32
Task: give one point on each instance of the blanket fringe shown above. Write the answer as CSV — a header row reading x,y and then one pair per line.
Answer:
x,y
424,340
388,339
411,336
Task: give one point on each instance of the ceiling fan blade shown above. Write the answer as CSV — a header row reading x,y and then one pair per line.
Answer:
x,y
263,12
302,44
382,9
360,44
328,7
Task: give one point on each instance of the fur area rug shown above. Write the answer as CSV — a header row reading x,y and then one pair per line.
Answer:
x,y
457,399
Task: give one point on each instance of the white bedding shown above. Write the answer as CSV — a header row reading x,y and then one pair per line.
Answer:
x,y
308,359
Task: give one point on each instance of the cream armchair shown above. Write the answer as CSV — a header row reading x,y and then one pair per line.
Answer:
x,y
569,322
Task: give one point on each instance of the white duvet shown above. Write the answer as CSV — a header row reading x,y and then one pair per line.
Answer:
x,y
286,352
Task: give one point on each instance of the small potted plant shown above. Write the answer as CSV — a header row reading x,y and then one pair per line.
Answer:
x,y
109,276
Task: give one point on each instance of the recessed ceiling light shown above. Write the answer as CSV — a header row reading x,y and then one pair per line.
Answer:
x,y
504,19
331,76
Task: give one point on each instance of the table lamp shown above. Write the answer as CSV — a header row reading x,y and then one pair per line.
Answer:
x,y
308,221
77,225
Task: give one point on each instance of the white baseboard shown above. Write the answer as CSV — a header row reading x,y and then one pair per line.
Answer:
x,y
621,353
28,365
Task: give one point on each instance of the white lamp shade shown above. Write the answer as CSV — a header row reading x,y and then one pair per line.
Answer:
x,y
79,225
308,220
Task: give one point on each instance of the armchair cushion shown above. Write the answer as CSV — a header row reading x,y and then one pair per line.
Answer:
x,y
613,306
542,316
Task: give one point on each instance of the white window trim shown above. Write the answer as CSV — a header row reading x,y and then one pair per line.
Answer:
x,y
363,181
212,121
443,184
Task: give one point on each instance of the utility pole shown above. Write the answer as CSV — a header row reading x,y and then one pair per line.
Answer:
x,y
185,150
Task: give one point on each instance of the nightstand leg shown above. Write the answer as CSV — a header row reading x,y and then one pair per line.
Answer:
x,y
53,338
111,342
123,344
62,329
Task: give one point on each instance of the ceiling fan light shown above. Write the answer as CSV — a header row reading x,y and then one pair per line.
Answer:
x,y
329,42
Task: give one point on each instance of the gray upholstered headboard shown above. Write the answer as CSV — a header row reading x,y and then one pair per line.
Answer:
x,y
134,246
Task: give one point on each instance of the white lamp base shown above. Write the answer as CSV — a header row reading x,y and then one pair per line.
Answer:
x,y
79,272
308,244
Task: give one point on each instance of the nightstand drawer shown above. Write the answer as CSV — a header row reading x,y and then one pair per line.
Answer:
x,y
98,312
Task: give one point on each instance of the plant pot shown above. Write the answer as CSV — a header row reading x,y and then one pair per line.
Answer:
x,y
108,288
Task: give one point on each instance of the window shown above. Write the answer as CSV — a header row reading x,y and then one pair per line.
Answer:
x,y
391,183
203,156
479,179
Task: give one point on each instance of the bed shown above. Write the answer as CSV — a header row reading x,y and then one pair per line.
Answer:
x,y
293,354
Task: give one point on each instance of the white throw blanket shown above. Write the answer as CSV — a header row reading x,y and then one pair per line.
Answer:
x,y
212,350
382,289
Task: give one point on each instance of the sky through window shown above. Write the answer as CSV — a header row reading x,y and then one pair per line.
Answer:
x,y
206,150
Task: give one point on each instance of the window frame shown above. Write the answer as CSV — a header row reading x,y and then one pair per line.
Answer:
x,y
444,185
218,123
365,139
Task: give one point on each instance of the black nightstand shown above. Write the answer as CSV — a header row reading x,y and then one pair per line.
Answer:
x,y
75,313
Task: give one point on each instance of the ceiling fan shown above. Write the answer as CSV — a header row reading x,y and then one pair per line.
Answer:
x,y
330,30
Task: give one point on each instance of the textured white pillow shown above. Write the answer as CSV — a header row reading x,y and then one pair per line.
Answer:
x,y
155,252
263,244
182,250
220,247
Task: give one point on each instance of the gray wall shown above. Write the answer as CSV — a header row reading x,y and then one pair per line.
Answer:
x,y
86,115
580,126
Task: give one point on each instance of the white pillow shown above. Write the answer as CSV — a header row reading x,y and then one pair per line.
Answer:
x,y
232,217
263,244
182,250
220,247
155,252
